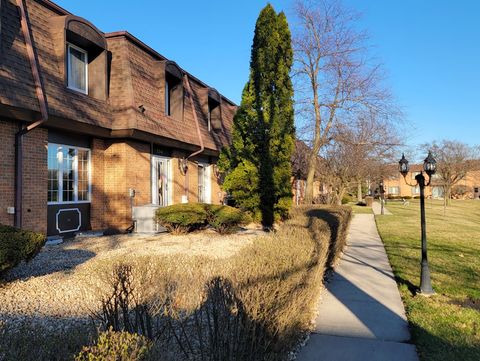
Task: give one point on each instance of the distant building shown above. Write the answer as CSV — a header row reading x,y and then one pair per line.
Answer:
x,y
396,185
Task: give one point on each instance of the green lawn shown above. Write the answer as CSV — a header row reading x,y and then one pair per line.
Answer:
x,y
447,325
360,209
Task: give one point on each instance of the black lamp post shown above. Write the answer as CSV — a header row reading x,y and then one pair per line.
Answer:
x,y
429,167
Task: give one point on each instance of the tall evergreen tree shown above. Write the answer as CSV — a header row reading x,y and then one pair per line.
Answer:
x,y
257,164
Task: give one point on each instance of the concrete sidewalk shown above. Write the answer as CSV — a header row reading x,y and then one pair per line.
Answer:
x,y
377,209
361,316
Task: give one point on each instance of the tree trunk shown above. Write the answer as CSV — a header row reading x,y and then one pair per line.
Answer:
x,y
340,194
448,195
312,162
359,191
309,184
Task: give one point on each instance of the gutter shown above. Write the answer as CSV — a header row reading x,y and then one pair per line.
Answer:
x,y
197,124
26,129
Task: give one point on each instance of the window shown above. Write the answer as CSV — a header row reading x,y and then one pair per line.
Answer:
x,y
203,183
168,97
414,174
415,190
209,120
214,116
173,96
393,190
68,174
77,68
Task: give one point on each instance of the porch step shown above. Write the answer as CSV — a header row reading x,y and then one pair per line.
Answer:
x,y
54,240
88,234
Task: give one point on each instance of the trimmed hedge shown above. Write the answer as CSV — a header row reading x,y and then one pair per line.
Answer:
x,y
243,308
18,245
226,219
183,218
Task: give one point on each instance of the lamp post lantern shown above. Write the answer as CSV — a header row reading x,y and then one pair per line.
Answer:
x,y
429,167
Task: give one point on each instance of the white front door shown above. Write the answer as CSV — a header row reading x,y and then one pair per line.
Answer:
x,y
161,181
204,192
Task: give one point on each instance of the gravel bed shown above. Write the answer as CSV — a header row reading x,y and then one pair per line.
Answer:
x,y
57,288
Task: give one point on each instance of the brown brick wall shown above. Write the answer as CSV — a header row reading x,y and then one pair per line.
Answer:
x,y
405,190
118,166
138,171
97,209
127,165
34,179
35,175
178,178
7,170
192,182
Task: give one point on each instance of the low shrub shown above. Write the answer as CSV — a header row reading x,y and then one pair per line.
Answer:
x,y
18,245
118,346
347,198
361,204
226,219
5,229
182,218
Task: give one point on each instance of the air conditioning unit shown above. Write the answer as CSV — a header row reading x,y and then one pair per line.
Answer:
x,y
144,219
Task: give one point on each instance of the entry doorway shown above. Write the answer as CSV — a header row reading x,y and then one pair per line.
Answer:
x,y
204,187
161,181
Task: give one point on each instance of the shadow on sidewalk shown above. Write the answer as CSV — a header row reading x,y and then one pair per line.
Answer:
x,y
381,321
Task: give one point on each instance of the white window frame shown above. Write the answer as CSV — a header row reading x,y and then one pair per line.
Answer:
x,y
397,190
75,175
208,185
414,190
69,46
414,174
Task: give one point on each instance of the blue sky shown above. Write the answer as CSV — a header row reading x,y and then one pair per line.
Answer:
x,y
430,50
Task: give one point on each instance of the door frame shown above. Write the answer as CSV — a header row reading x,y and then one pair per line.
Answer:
x,y
208,176
156,159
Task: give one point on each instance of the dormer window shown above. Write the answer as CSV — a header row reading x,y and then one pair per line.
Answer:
x,y
173,91
214,111
77,68
170,85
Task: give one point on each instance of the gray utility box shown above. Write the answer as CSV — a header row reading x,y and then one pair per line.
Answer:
x,y
144,218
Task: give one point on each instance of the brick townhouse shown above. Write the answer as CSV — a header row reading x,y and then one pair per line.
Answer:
x,y
88,119
396,185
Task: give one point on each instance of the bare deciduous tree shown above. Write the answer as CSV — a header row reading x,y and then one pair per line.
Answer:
x,y
334,77
454,160
358,151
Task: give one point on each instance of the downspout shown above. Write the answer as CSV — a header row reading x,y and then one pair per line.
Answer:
x,y
25,129
197,124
